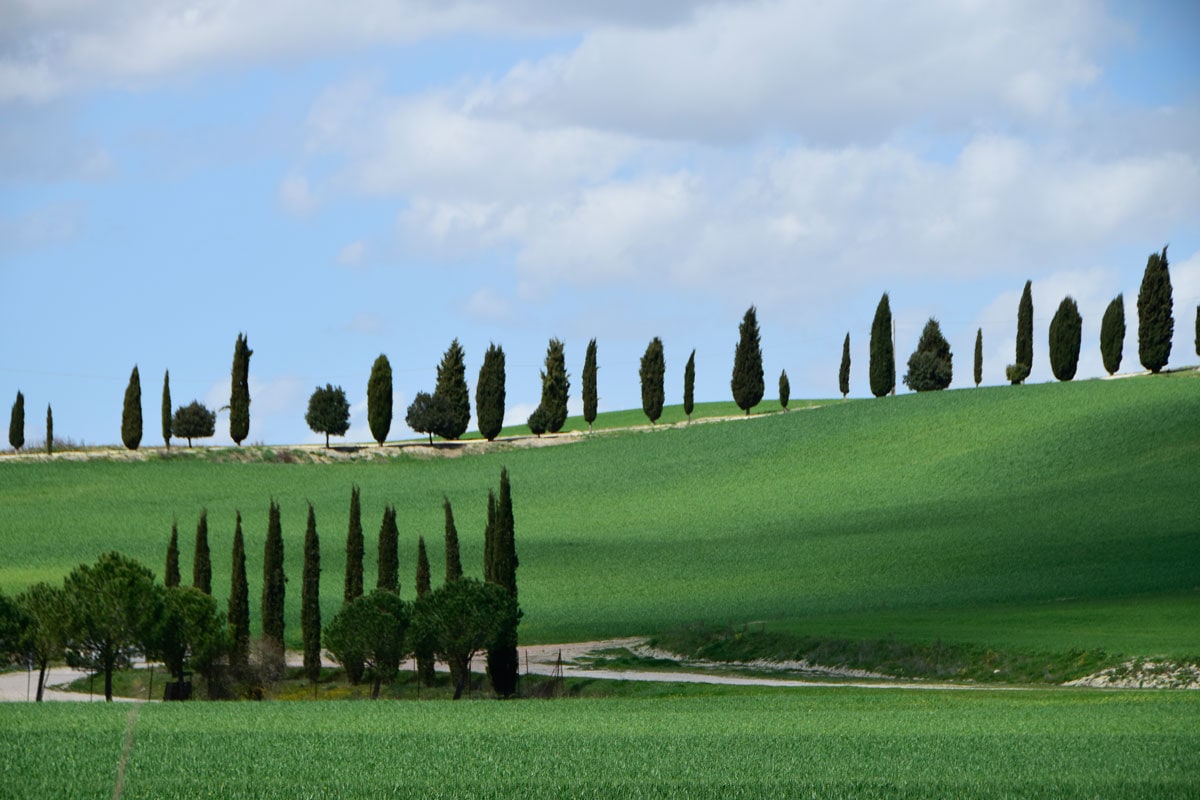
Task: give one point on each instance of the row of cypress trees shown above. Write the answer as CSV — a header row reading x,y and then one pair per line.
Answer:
x,y
930,366
499,568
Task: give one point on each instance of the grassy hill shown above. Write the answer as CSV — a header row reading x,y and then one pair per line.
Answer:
x,y
1046,516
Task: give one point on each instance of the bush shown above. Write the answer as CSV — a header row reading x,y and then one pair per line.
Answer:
x,y
930,367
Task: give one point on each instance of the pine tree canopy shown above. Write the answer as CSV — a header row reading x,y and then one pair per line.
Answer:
x,y
652,372
1155,323
747,381
452,388
328,412
785,390
429,413
490,393
194,421
379,399
931,366
239,395
1066,329
883,351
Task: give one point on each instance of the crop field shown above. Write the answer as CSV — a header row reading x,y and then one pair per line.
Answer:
x,y
1056,515
827,743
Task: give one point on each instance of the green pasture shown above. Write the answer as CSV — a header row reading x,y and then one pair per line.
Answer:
x,y
1041,516
800,743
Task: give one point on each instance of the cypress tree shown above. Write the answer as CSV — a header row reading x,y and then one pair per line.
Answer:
x,y
202,561
1066,329
131,413
502,661
1018,372
310,600
452,387
883,350
1198,330
1155,323
274,581
844,369
489,393
978,357
354,549
785,390
423,654
590,396
747,382
556,384
489,540
239,395
239,603
931,366
454,569
379,399
166,410
389,556
353,585
689,386
16,423
652,371
171,573
49,430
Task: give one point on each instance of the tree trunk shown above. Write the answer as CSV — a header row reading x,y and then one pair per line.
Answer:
x,y
41,679
326,441
375,688
189,442
108,673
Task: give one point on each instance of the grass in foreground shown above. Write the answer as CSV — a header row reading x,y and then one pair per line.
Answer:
x,y
828,743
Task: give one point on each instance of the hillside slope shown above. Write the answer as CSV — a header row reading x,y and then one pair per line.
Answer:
x,y
904,515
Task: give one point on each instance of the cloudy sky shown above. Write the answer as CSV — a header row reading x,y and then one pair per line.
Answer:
x,y
344,180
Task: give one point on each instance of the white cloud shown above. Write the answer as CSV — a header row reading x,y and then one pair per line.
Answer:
x,y
486,304
296,196
353,254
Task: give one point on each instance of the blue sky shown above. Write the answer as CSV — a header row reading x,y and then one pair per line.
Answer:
x,y
343,180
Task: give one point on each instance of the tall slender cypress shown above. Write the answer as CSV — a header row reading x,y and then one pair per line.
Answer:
x,y
239,394
131,412
422,654
452,388
1155,323
747,381
590,396
379,399
171,573
844,369
689,386
49,430
353,586
1019,371
239,602
454,569
556,387
202,561
785,390
883,350
1112,334
978,357
502,661
16,423
489,393
1065,331
166,410
389,556
310,600
652,372
274,581
489,539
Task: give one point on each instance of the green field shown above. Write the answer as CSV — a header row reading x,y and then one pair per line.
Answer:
x,y
725,744
1042,516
